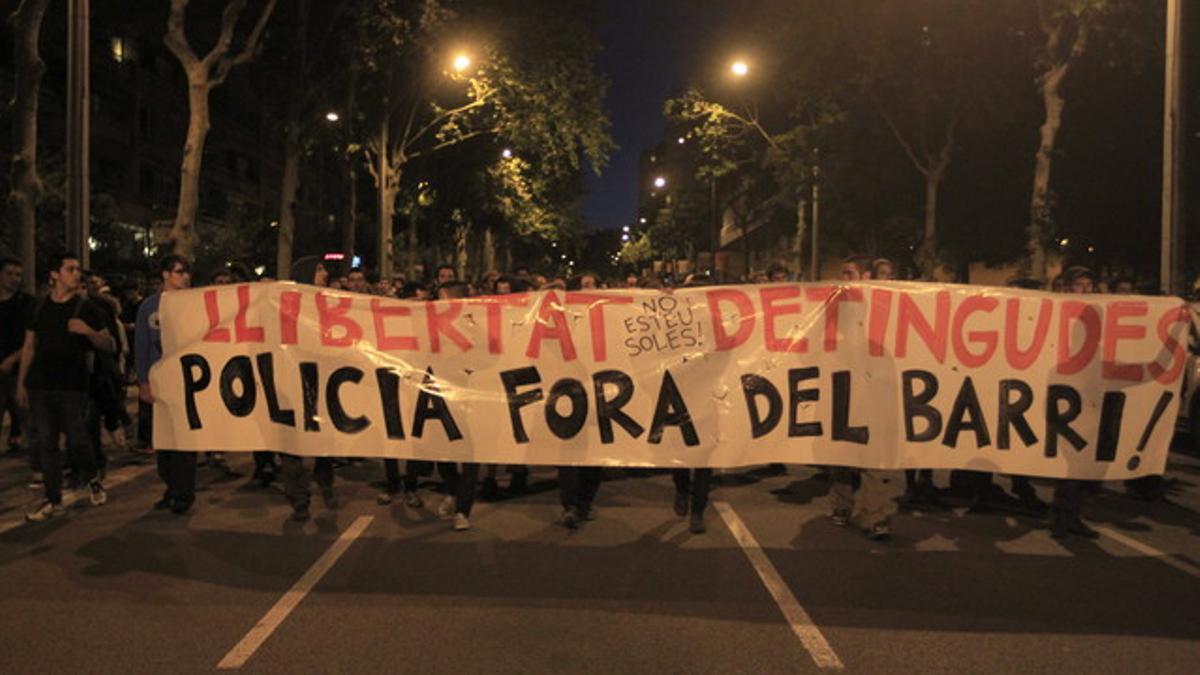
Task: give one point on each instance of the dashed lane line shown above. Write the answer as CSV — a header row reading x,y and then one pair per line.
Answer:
x,y
801,623
1148,550
254,639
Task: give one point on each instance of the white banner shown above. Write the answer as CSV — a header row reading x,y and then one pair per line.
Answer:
x,y
882,375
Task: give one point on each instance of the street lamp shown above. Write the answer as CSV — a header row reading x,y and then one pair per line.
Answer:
x,y
332,116
506,153
660,182
739,68
461,62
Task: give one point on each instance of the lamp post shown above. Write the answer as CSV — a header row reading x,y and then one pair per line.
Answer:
x,y
78,131
814,269
1172,169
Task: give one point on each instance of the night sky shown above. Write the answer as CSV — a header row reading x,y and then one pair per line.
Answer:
x,y
651,49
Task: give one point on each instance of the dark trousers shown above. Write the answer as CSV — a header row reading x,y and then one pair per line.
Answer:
x,y
461,485
577,486
697,482
178,472
1066,497
145,423
412,470
295,479
61,412
94,418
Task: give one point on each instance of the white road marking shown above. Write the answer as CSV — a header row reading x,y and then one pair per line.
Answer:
x,y
70,497
799,620
1148,550
262,630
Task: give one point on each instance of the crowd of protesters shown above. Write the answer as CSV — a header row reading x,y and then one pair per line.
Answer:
x,y
68,355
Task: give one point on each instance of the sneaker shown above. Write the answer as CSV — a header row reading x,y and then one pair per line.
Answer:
x,y
681,504
445,508
840,517
164,504
383,498
696,526
38,481
46,511
413,500
570,518
879,532
98,496
461,522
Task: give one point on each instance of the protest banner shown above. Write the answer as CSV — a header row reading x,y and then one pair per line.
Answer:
x,y
882,375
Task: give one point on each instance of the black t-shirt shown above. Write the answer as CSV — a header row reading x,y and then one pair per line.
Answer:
x,y
13,313
61,360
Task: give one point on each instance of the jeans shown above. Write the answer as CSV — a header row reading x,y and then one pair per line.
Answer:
x,y
392,482
178,472
61,412
461,486
695,481
295,481
577,486
874,507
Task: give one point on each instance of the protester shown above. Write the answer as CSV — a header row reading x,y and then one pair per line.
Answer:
x,y
1066,505
459,485
61,331
868,506
177,469
14,307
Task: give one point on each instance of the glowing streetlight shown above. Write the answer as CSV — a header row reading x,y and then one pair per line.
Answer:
x,y
461,62
739,68
625,237
660,182
642,221
682,140
625,228
332,116
506,153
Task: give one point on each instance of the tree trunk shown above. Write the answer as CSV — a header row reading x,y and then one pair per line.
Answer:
x,y
927,256
489,250
288,188
1040,216
801,230
25,185
350,222
461,229
183,232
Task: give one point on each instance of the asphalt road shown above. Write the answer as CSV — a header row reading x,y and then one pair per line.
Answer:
x,y
121,588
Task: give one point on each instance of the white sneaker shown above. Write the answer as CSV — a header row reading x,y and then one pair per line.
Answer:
x,y
445,509
461,522
98,497
45,512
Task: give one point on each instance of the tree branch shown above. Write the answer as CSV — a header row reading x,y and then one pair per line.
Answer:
x,y
176,38
224,63
912,156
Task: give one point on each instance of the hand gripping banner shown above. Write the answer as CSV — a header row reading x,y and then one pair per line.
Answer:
x,y
881,375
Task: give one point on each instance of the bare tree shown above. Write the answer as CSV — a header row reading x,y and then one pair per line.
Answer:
x,y
1066,26
25,183
203,75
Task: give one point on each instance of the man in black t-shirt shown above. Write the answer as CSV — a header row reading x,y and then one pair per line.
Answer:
x,y
61,330
14,305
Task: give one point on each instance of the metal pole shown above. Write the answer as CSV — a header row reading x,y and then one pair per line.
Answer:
x,y
814,266
1172,169
78,131
715,223
385,211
